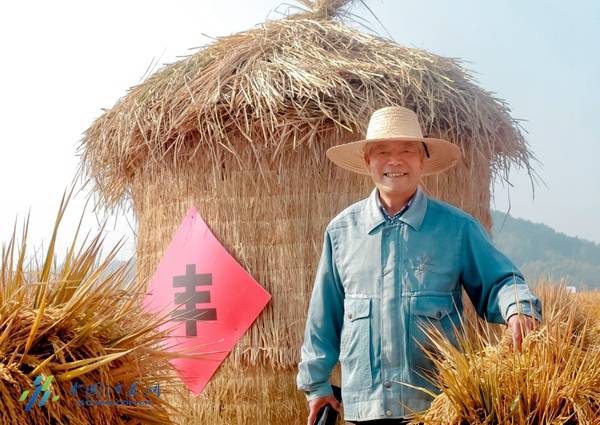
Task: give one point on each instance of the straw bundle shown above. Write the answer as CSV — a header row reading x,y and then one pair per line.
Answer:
x,y
554,380
83,325
239,130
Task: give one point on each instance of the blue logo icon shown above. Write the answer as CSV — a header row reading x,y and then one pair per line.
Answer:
x,y
39,387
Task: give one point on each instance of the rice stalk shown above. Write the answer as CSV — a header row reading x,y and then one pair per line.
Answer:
x,y
76,324
554,380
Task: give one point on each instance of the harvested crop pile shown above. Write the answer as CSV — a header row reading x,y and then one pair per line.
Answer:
x,y
80,329
554,380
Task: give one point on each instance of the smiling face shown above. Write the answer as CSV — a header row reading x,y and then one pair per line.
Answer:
x,y
396,168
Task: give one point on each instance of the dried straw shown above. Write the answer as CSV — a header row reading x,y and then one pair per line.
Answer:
x,y
554,380
84,325
275,88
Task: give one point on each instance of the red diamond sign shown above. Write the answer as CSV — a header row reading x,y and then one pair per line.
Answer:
x,y
212,300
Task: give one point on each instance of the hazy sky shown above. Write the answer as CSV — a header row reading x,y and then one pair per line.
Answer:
x,y
61,62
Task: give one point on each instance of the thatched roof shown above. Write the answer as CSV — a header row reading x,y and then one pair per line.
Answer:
x,y
278,86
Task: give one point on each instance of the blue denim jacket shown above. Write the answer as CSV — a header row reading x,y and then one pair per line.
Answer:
x,y
378,281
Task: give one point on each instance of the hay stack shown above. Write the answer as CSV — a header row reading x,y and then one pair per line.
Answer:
x,y
554,380
83,324
240,129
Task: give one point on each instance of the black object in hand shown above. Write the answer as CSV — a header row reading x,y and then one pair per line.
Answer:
x,y
327,414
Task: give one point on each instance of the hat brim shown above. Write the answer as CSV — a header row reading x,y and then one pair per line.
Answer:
x,y
443,155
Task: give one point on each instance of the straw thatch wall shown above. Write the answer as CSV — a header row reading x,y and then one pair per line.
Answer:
x,y
240,130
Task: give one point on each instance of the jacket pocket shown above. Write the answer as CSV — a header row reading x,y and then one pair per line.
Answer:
x,y
427,312
355,345
433,278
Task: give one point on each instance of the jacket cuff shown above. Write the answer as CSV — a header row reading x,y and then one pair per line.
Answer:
x,y
318,391
527,308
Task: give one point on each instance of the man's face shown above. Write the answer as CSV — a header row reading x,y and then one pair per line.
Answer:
x,y
395,167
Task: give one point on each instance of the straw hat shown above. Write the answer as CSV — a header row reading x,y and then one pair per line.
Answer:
x,y
390,124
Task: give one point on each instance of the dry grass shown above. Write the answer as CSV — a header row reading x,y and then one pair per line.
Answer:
x,y
554,380
277,88
80,323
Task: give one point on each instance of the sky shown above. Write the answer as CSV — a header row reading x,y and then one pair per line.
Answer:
x,y
62,61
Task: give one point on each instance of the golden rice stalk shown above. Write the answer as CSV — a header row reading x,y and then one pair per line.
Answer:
x,y
82,324
554,380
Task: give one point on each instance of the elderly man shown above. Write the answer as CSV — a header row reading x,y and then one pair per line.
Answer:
x,y
392,262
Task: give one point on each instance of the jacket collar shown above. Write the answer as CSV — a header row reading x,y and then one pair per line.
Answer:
x,y
413,216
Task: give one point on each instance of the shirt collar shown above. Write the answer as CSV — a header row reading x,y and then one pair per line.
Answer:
x,y
396,217
413,216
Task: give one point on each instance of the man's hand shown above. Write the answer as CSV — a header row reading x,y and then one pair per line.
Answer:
x,y
315,405
519,326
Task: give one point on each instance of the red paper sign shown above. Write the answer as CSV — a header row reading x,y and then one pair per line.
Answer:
x,y
212,300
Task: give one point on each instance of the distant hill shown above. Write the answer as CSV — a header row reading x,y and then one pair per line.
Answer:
x,y
539,251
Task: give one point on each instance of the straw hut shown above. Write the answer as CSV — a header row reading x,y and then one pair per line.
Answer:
x,y
239,130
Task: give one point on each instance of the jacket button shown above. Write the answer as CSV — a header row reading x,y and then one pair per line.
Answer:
x,y
388,413
387,384
439,314
350,316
